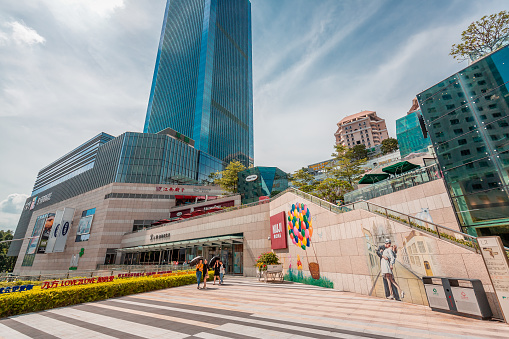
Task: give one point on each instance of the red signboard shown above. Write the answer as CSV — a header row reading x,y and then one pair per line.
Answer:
x,y
278,231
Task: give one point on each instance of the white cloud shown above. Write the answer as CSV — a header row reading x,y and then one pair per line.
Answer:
x,y
13,203
21,34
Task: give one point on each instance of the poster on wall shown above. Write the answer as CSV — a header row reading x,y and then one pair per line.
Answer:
x,y
46,230
496,261
50,245
62,230
36,234
278,231
84,226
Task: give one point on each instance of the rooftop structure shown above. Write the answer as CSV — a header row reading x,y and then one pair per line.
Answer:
x,y
363,128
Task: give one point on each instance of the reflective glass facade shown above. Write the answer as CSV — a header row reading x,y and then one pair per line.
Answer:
x,y
202,84
79,160
257,182
129,158
410,136
467,117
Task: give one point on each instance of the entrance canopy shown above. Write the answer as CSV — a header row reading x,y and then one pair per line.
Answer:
x,y
372,178
214,241
400,167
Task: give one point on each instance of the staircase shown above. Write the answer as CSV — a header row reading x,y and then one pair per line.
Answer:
x,y
455,237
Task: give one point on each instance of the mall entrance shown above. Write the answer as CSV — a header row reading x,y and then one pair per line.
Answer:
x,y
230,250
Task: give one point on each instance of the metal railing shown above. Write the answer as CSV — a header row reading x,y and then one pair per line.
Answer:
x,y
411,179
458,238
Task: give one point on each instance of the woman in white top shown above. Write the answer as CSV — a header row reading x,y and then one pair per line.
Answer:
x,y
387,265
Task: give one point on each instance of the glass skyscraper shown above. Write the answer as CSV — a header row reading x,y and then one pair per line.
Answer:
x,y
467,117
202,84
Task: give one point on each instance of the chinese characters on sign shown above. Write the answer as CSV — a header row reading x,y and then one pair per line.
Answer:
x,y
169,189
495,258
73,282
159,236
12,289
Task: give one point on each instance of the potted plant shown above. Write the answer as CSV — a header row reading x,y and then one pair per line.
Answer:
x,y
268,258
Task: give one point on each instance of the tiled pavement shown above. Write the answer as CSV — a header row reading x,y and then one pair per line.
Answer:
x,y
245,308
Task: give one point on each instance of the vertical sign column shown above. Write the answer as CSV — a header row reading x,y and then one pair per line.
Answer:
x,y
63,231
57,227
496,261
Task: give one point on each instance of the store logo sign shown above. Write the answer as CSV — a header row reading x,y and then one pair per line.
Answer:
x,y
55,234
65,229
278,231
251,178
154,237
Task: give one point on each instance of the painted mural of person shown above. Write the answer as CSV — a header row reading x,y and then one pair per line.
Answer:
x,y
387,266
386,283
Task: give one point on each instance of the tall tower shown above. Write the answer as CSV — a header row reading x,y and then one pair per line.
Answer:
x,y
202,84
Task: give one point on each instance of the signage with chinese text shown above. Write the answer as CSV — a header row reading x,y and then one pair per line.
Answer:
x,y
495,258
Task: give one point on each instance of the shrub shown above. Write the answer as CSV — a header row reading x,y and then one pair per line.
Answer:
x,y
39,300
268,258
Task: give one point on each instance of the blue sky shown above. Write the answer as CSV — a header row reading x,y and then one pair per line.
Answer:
x,y
71,69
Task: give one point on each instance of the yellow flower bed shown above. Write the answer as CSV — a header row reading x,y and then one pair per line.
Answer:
x,y
39,299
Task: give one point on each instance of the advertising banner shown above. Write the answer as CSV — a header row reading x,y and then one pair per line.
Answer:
x,y
57,225
36,234
63,230
278,231
46,230
496,261
84,226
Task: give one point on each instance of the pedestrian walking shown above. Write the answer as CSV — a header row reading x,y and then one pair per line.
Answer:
x,y
205,273
222,271
199,272
216,272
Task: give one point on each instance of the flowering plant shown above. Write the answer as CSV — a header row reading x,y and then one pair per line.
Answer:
x,y
268,258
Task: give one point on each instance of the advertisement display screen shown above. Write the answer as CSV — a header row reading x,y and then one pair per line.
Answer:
x,y
46,230
84,226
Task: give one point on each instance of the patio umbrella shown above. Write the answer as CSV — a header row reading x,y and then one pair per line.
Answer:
x,y
213,260
195,260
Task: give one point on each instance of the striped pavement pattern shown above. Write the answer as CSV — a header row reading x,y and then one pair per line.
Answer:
x,y
246,308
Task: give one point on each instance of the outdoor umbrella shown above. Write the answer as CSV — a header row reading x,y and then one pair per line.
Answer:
x,y
195,260
213,260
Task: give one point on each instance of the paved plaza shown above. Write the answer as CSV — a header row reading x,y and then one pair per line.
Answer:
x,y
246,308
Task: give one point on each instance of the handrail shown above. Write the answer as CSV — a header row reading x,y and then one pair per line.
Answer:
x,y
444,233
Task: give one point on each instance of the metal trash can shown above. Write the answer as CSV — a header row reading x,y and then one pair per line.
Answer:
x,y
457,296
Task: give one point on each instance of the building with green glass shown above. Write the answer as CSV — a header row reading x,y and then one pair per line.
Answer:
x,y
467,117
410,134
260,181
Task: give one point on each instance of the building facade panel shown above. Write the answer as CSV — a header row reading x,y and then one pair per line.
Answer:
x,y
467,116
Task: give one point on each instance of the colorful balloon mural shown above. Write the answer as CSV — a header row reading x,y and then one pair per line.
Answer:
x,y
300,225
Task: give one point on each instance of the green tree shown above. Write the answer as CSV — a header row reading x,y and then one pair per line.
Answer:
x,y
345,166
483,36
359,152
212,179
333,189
303,180
389,145
229,178
6,263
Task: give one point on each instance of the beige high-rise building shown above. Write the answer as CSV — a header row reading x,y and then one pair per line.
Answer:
x,y
363,128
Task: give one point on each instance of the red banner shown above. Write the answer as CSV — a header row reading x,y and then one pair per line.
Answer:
x,y
278,231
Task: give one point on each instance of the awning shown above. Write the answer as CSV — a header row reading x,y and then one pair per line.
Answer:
x,y
400,167
372,178
214,241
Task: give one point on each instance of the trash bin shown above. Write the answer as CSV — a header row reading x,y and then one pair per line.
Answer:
x,y
457,296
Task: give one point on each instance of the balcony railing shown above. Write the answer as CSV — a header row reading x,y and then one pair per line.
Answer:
x,y
391,185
